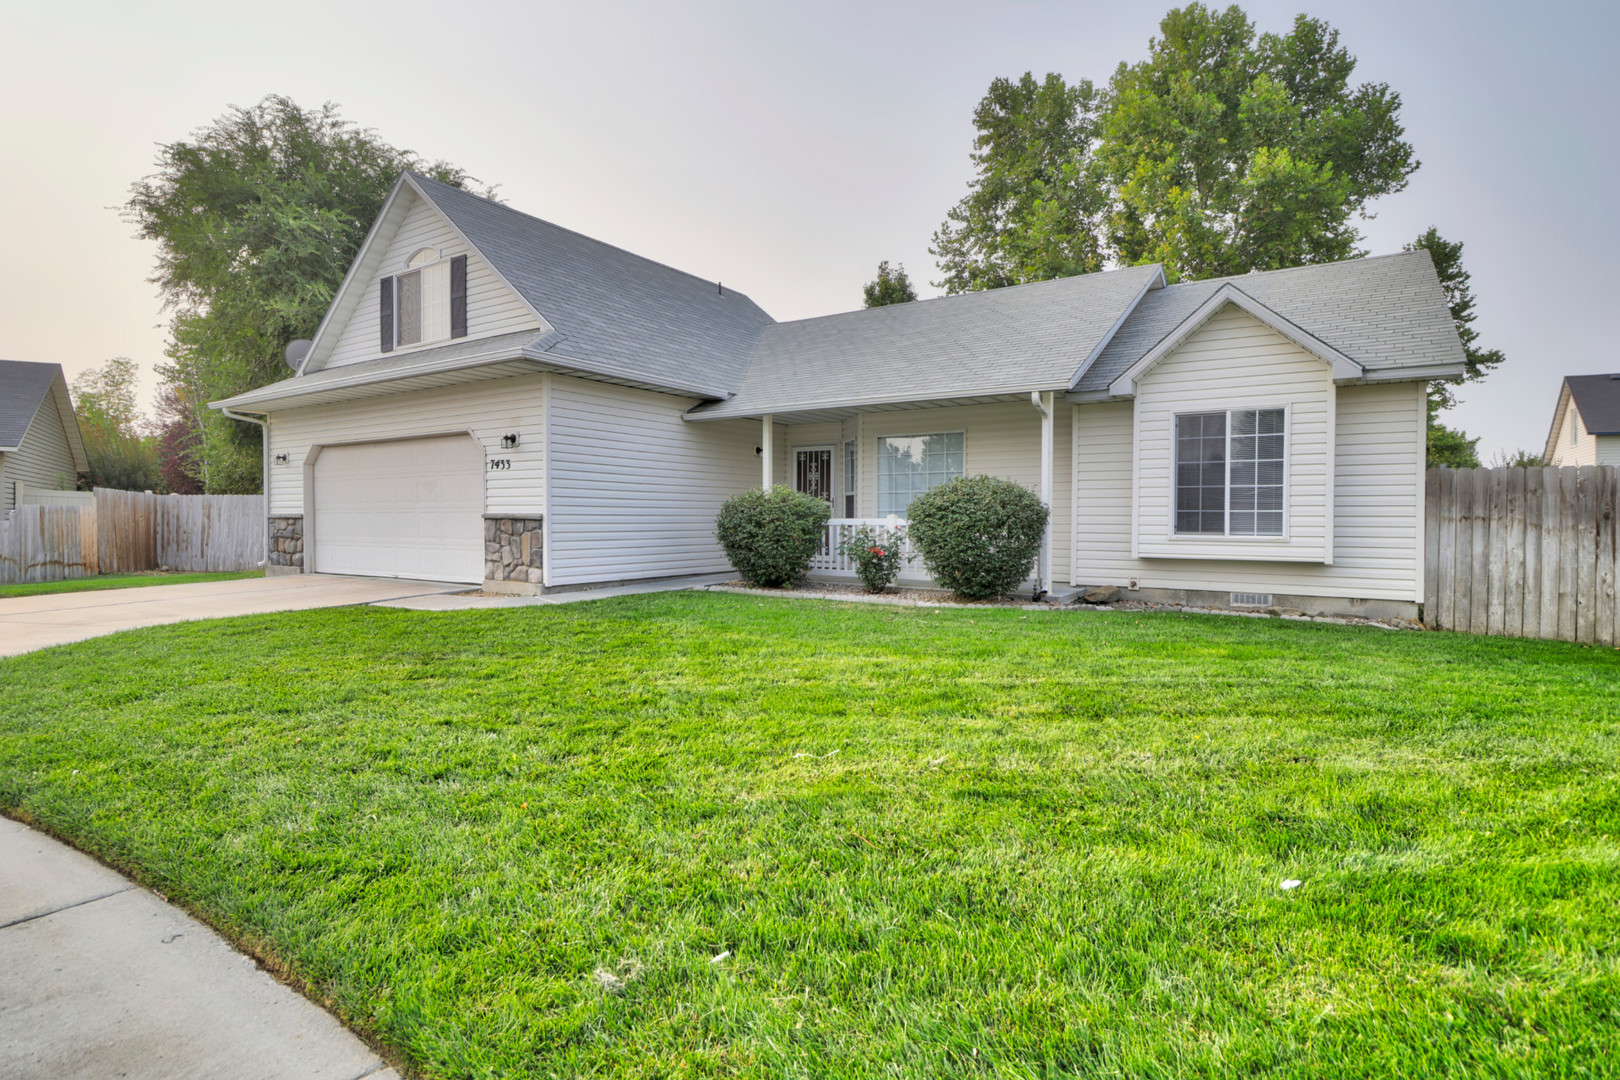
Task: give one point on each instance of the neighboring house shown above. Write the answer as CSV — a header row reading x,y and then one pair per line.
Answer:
x,y
496,400
1586,422
39,435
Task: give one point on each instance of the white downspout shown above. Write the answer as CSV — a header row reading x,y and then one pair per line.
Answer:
x,y
767,451
1043,401
264,471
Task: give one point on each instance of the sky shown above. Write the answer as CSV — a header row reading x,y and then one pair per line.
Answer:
x,y
785,149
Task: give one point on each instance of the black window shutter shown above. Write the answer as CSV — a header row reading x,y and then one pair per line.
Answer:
x,y
458,296
386,304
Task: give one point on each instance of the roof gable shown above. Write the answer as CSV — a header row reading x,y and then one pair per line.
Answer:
x,y
25,388
1597,399
613,311
1229,295
1387,313
407,223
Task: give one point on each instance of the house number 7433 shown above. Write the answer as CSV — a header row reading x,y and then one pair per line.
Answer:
x,y
500,463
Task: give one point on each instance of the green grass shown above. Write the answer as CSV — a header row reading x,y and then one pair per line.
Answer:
x,y
962,842
117,581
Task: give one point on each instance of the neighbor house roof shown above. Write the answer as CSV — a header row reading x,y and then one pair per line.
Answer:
x,y
1017,339
613,311
1597,397
1387,313
24,388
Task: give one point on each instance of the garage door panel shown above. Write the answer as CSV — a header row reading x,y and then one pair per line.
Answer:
x,y
411,508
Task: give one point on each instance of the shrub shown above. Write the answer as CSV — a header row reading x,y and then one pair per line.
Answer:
x,y
978,536
770,536
876,554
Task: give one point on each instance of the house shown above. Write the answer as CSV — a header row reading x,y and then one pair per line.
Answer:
x,y
1586,422
40,445
494,399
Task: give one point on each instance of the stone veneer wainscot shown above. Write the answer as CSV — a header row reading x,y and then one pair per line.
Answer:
x,y
512,549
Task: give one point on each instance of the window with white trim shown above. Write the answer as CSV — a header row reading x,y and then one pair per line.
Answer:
x,y
1229,472
422,299
910,465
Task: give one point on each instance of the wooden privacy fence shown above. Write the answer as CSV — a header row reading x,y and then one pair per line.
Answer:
x,y
1523,552
131,531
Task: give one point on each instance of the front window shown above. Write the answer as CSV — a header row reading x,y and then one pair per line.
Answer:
x,y
913,464
1229,473
422,299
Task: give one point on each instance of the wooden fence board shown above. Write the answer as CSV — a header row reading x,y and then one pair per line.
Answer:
x,y
1524,552
132,531
1496,563
1530,614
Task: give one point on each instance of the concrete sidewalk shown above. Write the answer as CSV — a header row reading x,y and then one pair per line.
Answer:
x,y
37,622
99,977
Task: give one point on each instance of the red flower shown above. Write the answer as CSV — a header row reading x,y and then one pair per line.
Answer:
x,y
876,551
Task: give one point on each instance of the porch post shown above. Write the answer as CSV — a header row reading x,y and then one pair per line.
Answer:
x,y
766,452
1043,402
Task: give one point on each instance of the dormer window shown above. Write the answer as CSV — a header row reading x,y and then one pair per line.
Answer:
x,y
426,301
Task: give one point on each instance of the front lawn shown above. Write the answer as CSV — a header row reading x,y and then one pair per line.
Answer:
x,y
117,581
518,842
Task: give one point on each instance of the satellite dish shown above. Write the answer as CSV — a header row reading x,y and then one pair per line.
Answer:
x,y
296,351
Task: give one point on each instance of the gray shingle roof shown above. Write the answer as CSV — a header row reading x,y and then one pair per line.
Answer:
x,y
1598,399
612,309
23,387
1022,338
1385,312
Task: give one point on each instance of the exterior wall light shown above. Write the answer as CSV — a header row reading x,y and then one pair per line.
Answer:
x,y
509,441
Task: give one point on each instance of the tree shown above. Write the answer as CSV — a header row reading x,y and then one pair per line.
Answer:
x,y
1518,459
1477,362
890,287
1033,209
257,218
179,444
1451,447
117,445
1225,152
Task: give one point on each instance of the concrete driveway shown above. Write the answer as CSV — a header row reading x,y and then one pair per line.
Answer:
x,y
37,622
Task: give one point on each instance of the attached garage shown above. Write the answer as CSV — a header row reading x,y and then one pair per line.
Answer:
x,y
407,508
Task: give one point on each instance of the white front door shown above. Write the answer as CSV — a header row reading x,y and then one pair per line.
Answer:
x,y
410,508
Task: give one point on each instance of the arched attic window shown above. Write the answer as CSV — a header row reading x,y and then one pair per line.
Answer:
x,y
427,301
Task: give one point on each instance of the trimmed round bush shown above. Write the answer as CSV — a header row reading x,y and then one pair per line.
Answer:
x,y
770,536
978,536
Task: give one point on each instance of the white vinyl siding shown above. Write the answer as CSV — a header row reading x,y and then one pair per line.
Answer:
x,y
492,308
488,409
634,488
1608,449
1379,434
43,458
1574,445
1235,362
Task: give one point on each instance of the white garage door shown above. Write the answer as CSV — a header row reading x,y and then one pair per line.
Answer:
x,y
411,509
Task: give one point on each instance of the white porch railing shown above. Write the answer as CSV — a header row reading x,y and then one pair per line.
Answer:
x,y
832,560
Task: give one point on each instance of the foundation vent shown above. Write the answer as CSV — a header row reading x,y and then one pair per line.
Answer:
x,y
1251,599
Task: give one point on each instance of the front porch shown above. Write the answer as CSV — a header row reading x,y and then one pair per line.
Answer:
x,y
869,462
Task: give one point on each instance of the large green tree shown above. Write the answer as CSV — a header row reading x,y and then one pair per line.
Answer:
x,y
257,217
1033,210
1226,151
891,286
1448,446
118,444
